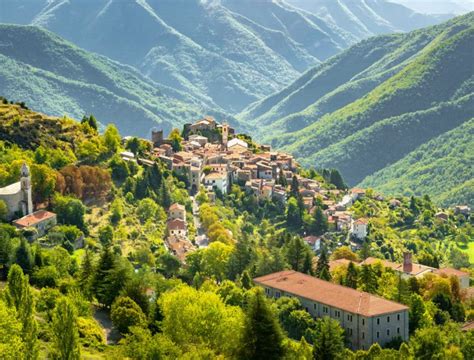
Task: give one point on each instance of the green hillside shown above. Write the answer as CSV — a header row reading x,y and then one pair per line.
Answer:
x,y
373,104
56,77
442,167
232,52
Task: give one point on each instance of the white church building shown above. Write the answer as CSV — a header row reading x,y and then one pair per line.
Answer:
x,y
18,196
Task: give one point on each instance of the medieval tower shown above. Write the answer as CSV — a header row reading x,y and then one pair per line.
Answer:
x,y
27,203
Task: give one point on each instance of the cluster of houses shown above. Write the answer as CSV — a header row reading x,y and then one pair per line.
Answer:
x,y
177,240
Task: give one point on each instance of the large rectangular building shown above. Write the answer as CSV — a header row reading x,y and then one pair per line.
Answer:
x,y
366,318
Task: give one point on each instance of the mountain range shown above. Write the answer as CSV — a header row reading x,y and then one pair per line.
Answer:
x,y
227,53
377,102
56,77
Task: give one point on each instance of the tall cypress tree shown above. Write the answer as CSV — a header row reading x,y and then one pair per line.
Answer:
x,y
18,295
86,274
352,276
24,258
322,267
104,266
263,336
320,222
65,334
368,279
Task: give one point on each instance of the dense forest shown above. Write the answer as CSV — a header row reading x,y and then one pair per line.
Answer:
x,y
387,95
102,284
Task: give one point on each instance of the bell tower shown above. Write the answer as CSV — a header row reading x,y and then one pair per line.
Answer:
x,y
225,134
26,190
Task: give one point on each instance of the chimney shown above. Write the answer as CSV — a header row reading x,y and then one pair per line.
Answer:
x,y
407,263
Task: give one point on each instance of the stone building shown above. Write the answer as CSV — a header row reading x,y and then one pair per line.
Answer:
x,y
18,196
366,318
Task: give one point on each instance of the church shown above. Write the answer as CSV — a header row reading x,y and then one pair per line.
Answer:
x,y
18,196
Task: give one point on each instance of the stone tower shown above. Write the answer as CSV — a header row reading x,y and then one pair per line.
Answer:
x,y
225,134
27,202
157,137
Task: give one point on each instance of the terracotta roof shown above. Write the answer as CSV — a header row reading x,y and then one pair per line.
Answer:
x,y
176,206
339,262
216,175
358,191
34,219
361,221
416,268
176,224
468,326
451,271
324,292
311,239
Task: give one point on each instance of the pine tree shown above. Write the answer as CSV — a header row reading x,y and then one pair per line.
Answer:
x,y
352,276
368,279
322,267
240,258
246,280
294,217
320,222
86,274
263,336
308,263
65,335
104,266
295,253
24,258
328,342
336,180
18,295
165,197
295,187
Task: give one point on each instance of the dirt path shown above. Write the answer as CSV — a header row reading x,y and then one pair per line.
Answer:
x,y
102,316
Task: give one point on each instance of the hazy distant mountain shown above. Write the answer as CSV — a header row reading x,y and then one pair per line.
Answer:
x,y
438,6
373,104
225,52
364,18
55,77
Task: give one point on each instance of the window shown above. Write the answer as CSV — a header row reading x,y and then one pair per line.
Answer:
x,y
388,319
349,318
277,294
388,332
315,306
398,317
337,313
378,321
363,321
398,330
349,331
325,309
363,335
378,334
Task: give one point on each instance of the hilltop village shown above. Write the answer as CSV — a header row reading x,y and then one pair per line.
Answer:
x,y
211,157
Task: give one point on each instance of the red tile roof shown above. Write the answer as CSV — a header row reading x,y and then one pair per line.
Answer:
x,y
176,206
34,219
330,294
451,271
176,224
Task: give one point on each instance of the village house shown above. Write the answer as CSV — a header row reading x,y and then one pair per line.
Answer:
x,y
462,209
215,180
40,220
366,318
177,227
314,242
177,211
179,247
410,269
359,228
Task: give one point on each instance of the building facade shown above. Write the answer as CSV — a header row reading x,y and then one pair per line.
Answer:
x,y
18,196
366,318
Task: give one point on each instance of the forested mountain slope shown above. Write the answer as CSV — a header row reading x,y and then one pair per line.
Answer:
x,y
231,52
373,104
56,77
442,167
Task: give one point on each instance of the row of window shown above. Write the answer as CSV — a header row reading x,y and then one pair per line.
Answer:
x,y
388,319
388,333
